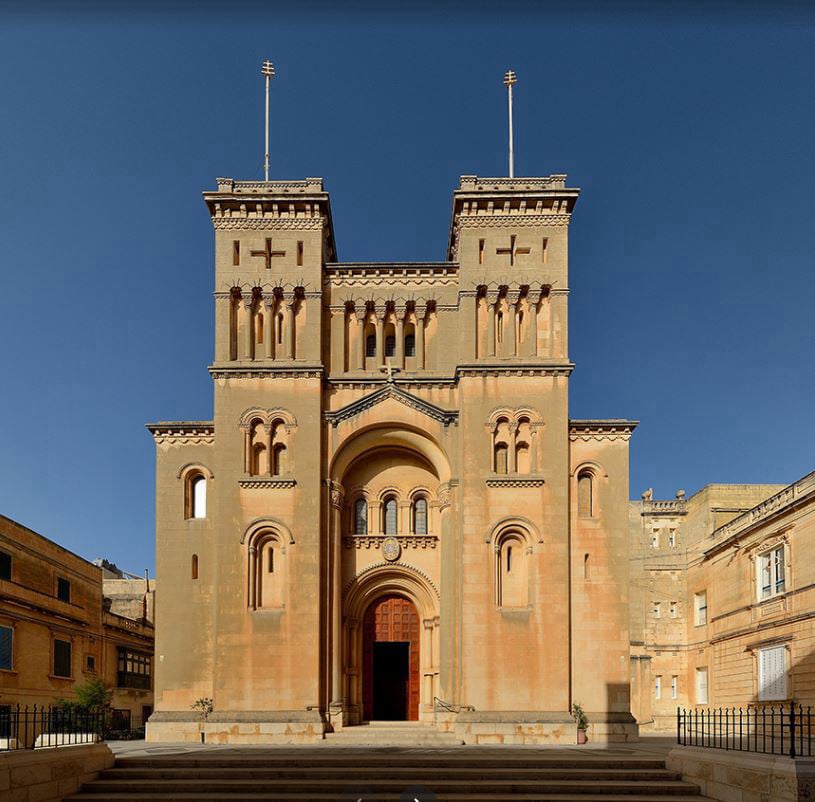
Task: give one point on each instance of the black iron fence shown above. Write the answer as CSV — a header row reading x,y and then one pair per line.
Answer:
x,y
46,726
767,729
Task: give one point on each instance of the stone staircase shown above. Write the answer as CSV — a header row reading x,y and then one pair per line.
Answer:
x,y
376,774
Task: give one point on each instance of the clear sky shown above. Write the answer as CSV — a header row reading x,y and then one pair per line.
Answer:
x,y
690,130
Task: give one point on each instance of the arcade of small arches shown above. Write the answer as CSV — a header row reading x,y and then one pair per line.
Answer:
x,y
266,435
514,321
390,513
514,441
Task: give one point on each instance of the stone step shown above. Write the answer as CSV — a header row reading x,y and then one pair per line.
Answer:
x,y
506,785
469,795
465,773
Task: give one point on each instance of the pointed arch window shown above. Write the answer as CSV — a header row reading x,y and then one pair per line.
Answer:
x,y
390,515
361,517
420,516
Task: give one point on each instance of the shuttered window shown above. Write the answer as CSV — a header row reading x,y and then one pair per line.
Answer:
x,y
772,673
771,578
6,647
701,686
62,658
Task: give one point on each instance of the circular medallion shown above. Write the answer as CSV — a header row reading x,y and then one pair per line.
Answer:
x,y
391,549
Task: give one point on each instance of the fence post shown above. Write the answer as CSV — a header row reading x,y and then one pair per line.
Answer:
x,y
792,729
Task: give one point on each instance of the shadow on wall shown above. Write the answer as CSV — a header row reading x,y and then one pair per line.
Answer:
x,y
618,698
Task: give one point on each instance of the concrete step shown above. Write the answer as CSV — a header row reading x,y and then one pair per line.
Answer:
x,y
364,796
502,786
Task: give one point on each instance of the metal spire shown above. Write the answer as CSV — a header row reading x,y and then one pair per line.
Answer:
x,y
267,70
510,79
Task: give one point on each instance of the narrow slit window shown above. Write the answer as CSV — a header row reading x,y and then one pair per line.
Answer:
x,y
236,252
481,251
370,345
270,562
194,566
390,516
410,345
390,346
259,327
545,250
299,253
280,329
361,517
499,324
420,516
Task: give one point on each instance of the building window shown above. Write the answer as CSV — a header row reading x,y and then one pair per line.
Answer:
x,y
499,325
90,663
511,571
267,571
772,674
281,462
672,538
672,609
420,516
361,517
63,590
410,345
585,494
655,539
194,566
259,327
674,681
771,574
370,345
390,516
196,492
6,648
5,566
62,658
701,686
134,670
700,608
390,345
657,609
501,452
657,687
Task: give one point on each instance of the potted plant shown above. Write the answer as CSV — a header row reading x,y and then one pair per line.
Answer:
x,y
582,722
204,708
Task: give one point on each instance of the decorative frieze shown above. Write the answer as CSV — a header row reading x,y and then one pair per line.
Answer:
x,y
377,541
266,484
613,429
182,433
254,372
509,369
515,481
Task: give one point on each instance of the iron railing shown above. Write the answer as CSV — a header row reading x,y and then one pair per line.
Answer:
x,y
41,726
767,729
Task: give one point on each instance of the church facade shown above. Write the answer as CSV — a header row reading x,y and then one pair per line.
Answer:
x,y
392,515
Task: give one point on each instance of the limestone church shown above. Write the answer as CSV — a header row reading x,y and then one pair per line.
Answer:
x,y
391,515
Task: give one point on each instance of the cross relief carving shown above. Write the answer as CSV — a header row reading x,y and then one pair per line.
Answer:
x,y
267,253
512,251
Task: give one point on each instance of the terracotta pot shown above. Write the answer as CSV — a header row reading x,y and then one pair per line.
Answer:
x,y
581,736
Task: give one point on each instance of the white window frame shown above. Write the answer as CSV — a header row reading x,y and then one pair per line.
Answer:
x,y
700,619
771,562
772,693
674,685
658,686
702,694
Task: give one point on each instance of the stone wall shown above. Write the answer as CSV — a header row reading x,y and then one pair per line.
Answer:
x,y
48,775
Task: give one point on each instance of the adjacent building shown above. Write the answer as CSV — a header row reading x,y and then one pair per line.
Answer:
x,y
58,628
723,599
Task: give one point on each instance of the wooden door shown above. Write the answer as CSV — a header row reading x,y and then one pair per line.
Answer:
x,y
391,619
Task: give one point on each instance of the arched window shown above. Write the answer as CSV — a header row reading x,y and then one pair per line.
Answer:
x,y
522,458
585,494
361,517
410,342
194,566
195,495
511,577
370,345
499,326
267,571
390,345
259,326
259,455
501,453
280,328
389,511
281,460
420,516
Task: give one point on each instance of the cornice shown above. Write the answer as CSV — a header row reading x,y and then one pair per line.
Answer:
x,y
182,432
265,223
612,429
287,371
430,383
514,369
390,390
498,218
667,507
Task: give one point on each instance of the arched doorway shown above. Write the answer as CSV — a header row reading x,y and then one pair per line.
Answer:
x,y
390,660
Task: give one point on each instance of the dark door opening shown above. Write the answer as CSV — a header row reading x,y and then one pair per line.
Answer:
x,y
391,673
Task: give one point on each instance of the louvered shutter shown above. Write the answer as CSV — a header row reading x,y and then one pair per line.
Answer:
x,y
6,647
772,673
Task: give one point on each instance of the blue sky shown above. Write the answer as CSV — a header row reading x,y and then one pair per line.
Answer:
x,y
689,129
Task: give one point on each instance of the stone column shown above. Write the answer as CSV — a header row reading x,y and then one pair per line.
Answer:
x,y
492,300
380,337
288,327
403,522
337,704
511,336
247,302
268,334
399,353
420,318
